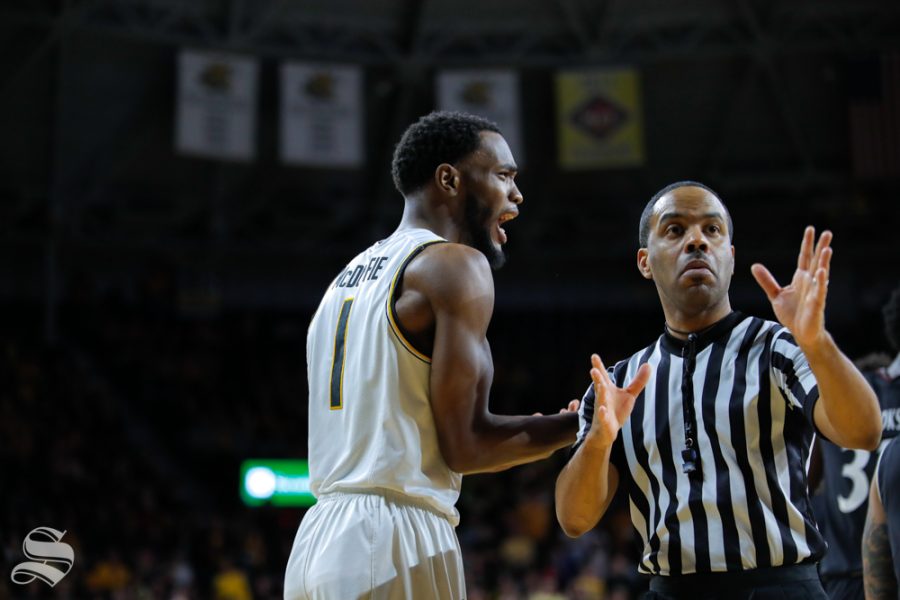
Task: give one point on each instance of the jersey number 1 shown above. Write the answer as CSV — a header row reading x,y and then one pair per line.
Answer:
x,y
337,361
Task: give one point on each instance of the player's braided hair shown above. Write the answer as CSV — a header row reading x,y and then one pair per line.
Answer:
x,y
644,228
891,313
439,137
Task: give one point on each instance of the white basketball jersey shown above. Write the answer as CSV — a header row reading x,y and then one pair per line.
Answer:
x,y
370,421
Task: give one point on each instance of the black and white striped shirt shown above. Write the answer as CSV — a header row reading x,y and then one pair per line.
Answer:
x,y
749,394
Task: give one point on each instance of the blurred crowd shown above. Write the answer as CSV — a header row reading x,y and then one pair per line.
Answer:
x,y
127,431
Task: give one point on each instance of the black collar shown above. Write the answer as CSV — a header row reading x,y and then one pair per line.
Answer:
x,y
704,337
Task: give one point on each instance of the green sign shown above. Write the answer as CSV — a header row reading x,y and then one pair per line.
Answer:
x,y
278,482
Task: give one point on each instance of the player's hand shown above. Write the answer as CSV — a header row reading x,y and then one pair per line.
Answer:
x,y
800,306
571,407
612,405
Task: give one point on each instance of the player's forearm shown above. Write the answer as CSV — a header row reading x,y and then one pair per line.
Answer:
x,y
878,569
847,399
583,489
498,442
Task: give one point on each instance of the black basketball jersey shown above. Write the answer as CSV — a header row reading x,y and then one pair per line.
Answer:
x,y
847,475
888,475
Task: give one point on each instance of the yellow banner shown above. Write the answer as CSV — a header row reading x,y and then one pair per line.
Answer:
x,y
599,120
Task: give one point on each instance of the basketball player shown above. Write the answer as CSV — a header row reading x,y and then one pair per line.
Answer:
x,y
881,538
848,473
399,376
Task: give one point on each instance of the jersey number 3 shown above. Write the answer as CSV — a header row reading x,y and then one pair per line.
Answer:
x,y
855,471
337,361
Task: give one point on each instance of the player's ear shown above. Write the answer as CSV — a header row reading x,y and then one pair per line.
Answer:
x,y
643,263
732,260
447,179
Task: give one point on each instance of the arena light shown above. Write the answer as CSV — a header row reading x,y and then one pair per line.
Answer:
x,y
278,482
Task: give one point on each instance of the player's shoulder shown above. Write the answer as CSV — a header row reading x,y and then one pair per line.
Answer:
x,y
450,271
451,264
453,256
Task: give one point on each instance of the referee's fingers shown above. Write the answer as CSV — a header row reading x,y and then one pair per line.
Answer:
x,y
599,381
821,245
825,260
765,280
602,377
821,288
806,248
640,380
597,362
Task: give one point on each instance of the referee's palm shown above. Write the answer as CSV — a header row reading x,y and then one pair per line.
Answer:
x,y
612,404
800,306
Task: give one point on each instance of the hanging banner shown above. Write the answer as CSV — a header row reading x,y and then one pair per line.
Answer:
x,y
321,115
599,119
492,94
874,90
216,110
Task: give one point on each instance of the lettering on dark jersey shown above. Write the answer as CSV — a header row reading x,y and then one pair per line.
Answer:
x,y
890,419
356,274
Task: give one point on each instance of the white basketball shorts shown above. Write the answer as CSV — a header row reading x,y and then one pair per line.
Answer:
x,y
373,546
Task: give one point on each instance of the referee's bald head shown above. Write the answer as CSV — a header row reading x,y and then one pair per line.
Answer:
x,y
644,229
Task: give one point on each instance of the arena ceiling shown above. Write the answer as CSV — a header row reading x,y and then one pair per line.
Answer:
x,y
750,96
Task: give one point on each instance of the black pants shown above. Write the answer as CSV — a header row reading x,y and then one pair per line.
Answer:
x,y
796,582
844,588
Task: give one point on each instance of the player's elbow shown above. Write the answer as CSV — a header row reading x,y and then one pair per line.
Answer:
x,y
460,458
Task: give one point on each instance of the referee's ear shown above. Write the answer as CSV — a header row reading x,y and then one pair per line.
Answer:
x,y
643,263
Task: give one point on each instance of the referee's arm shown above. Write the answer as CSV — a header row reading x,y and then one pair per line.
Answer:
x,y
847,410
587,484
585,487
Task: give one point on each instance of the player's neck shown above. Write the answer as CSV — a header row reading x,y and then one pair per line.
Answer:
x,y
418,215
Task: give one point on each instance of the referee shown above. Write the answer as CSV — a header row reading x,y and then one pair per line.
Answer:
x,y
724,408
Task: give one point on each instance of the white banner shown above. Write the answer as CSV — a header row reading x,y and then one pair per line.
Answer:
x,y
492,94
216,111
321,115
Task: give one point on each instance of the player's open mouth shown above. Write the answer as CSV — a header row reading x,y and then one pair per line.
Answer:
x,y
507,216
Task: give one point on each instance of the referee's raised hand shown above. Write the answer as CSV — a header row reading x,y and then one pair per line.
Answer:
x,y
612,404
800,306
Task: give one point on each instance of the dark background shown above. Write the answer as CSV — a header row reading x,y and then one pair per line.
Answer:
x,y
154,306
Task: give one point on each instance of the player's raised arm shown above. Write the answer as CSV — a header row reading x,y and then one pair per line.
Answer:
x,y
457,281
847,411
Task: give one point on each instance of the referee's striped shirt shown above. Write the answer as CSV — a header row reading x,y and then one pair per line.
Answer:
x,y
748,397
